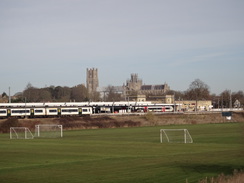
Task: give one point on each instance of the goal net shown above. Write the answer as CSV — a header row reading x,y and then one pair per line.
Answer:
x,y
48,131
20,133
175,136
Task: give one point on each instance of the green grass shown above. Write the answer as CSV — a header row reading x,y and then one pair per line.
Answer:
x,y
123,155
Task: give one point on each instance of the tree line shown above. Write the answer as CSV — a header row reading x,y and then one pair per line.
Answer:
x,y
77,93
198,90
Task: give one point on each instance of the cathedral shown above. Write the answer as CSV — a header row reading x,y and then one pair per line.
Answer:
x,y
133,86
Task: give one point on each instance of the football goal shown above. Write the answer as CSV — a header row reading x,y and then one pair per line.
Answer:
x,y
20,133
175,136
48,131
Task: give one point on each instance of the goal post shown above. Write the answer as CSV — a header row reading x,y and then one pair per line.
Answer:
x,y
48,131
20,133
175,136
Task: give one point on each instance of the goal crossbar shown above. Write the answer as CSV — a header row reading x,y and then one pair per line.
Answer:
x,y
175,135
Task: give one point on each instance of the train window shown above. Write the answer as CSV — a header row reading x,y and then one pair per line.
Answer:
x,y
53,110
84,110
69,110
39,111
3,111
20,111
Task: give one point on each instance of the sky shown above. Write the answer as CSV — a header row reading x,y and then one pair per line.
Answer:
x,y
53,42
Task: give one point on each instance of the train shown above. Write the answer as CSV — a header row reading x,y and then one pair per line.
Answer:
x,y
155,108
45,112
55,109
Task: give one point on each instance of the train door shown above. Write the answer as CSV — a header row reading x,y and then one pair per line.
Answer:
x,y
8,112
80,111
32,112
59,111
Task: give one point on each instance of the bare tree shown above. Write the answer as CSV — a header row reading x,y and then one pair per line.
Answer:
x,y
228,99
94,96
112,95
79,93
198,90
62,93
4,94
44,95
31,94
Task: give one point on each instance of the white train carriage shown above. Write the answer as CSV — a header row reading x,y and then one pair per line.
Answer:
x,y
3,113
19,112
69,111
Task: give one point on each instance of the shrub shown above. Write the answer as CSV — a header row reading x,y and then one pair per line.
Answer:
x,y
149,116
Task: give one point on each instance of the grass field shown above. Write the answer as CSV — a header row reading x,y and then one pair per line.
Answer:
x,y
123,155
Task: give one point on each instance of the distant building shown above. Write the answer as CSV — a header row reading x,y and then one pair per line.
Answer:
x,y
92,80
154,89
132,90
135,85
4,99
166,99
137,98
190,105
237,104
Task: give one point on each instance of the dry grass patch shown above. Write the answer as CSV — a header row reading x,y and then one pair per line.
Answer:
x,y
237,177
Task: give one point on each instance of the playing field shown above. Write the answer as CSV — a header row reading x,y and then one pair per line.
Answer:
x,y
123,155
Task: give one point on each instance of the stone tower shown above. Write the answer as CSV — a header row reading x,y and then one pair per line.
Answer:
x,y
91,80
134,84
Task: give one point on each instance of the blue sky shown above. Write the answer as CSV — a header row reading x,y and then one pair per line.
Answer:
x,y
53,42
